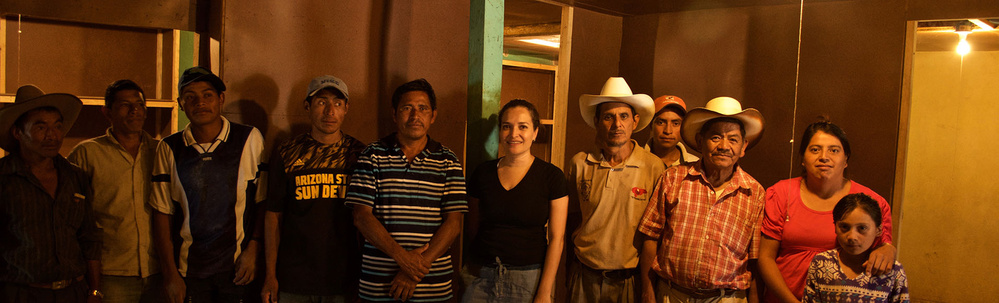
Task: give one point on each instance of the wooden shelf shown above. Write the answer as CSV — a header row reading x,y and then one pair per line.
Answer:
x,y
99,101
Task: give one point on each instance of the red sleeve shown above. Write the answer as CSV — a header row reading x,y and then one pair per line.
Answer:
x,y
775,211
886,226
654,219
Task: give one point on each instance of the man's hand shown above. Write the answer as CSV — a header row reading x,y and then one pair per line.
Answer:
x,y
402,287
246,265
413,264
269,293
175,288
881,260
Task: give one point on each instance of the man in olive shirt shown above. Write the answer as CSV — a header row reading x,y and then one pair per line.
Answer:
x,y
611,185
48,239
120,165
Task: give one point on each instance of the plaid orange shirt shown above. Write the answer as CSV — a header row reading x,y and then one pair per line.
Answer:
x,y
708,241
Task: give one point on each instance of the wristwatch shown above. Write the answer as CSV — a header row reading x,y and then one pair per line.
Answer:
x,y
97,293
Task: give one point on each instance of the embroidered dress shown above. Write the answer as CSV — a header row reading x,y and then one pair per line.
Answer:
x,y
827,283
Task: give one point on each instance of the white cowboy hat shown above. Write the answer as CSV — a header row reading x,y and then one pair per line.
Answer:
x,y
617,90
752,120
30,97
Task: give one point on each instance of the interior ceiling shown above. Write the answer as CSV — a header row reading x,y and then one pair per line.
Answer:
x,y
528,12
641,7
530,18
939,36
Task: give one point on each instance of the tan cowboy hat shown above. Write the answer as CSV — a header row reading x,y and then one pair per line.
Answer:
x,y
617,90
752,120
29,97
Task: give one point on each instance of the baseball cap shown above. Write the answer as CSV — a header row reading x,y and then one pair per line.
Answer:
x,y
325,81
668,100
199,73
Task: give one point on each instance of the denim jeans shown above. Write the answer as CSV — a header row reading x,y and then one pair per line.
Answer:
x,y
500,283
125,289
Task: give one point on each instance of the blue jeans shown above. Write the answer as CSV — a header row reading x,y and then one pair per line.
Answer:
x,y
125,289
287,297
500,283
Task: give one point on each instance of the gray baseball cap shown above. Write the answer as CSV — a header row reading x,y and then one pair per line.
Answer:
x,y
325,81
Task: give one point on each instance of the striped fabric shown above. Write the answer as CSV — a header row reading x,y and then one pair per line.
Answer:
x,y
409,199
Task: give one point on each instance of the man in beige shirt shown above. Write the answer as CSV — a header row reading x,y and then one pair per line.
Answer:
x,y
611,189
119,164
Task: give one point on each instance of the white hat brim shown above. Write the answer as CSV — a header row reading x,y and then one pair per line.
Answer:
x,y
752,121
642,104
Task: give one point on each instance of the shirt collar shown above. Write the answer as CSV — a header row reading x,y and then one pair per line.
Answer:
x,y
223,135
740,178
685,156
598,157
393,142
144,139
16,165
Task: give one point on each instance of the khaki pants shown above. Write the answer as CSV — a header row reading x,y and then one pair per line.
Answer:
x,y
590,286
667,294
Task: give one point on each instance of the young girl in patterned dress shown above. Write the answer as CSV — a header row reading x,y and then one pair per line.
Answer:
x,y
837,275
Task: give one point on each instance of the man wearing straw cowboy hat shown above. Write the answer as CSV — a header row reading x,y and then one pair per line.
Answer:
x,y
612,185
702,225
50,241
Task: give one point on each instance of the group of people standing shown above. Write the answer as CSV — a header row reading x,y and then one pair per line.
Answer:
x,y
128,218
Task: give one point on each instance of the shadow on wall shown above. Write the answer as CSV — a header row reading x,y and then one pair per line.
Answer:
x,y
264,91
386,112
294,110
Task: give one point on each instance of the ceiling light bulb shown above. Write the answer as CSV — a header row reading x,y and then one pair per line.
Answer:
x,y
963,48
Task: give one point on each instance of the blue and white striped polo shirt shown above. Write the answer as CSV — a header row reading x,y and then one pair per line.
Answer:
x,y
409,199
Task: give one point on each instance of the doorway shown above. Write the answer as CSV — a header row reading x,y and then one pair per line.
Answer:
x,y
946,193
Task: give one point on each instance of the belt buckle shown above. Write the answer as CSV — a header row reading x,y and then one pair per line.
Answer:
x,y
605,274
57,285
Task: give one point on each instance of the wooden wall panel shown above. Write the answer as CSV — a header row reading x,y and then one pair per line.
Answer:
x,y
165,14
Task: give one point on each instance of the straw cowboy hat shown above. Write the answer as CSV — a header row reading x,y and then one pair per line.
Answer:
x,y
722,107
617,90
29,97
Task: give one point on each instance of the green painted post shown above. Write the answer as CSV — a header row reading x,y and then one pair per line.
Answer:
x,y
485,77
186,61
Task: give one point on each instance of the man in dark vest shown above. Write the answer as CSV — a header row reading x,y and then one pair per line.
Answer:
x,y
205,185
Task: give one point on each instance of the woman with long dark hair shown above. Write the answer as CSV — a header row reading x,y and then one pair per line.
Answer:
x,y
522,203
798,212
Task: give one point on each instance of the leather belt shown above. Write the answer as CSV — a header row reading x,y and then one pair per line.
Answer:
x,y
704,293
617,274
57,285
